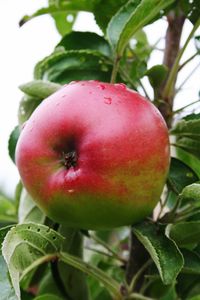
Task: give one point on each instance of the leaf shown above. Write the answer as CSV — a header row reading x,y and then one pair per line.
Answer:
x,y
134,15
191,262
7,210
162,250
72,277
191,145
104,10
63,20
3,232
189,159
59,7
26,107
86,41
188,126
65,66
191,9
7,291
180,175
197,297
40,89
157,75
47,297
26,243
12,142
110,284
192,193
184,233
28,210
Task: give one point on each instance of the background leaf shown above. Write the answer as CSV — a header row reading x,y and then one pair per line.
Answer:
x,y
86,41
130,18
162,250
24,244
28,210
184,233
13,142
65,66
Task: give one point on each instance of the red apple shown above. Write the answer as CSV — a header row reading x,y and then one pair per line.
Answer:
x,y
94,155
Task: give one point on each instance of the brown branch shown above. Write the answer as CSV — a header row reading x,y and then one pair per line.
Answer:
x,y
172,46
137,257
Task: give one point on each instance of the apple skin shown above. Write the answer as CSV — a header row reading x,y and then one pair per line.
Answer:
x,y
94,155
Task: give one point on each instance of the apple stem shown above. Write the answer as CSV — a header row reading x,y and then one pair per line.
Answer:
x,y
70,159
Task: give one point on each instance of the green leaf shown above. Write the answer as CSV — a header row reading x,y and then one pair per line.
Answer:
x,y
104,10
110,284
71,276
191,262
7,210
157,75
28,210
12,142
134,15
189,159
48,297
26,107
162,250
25,244
189,126
197,297
78,40
191,145
180,175
40,89
63,20
192,193
60,6
3,232
66,66
184,233
191,9
7,291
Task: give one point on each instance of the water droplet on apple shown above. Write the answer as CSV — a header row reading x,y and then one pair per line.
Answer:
x,y
70,191
121,85
101,86
107,100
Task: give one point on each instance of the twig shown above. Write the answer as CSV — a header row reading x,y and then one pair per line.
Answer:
x,y
168,87
188,60
182,108
187,78
106,246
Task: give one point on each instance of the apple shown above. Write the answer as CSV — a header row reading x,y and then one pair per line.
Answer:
x,y
94,155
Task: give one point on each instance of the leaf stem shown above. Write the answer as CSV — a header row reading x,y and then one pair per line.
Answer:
x,y
112,286
172,76
137,296
115,69
138,274
38,262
